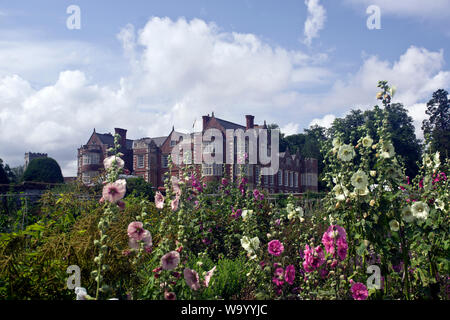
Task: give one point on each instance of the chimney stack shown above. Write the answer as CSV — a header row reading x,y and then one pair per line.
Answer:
x,y
205,121
123,137
250,121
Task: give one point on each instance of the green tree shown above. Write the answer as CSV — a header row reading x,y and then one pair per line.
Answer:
x,y
3,177
43,170
139,187
437,127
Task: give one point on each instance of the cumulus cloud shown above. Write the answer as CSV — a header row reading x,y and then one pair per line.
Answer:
x,y
290,129
326,121
416,74
179,70
315,20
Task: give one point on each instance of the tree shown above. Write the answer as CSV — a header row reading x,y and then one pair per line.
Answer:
x,y
139,187
437,127
401,128
43,170
3,177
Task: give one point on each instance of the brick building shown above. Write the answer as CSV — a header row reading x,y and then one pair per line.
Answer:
x,y
92,154
148,158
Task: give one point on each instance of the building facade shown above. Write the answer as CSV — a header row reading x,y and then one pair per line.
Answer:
x,y
92,154
149,158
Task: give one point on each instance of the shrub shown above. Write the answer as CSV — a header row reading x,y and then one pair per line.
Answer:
x,y
43,170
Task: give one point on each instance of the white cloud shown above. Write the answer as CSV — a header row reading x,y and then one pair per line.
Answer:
x,y
315,20
430,10
180,70
290,129
326,121
416,74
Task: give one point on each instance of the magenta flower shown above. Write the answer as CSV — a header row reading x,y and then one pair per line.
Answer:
x,y
208,276
359,291
275,248
159,200
170,260
277,281
279,272
115,191
170,296
289,274
224,182
192,280
314,258
236,214
335,235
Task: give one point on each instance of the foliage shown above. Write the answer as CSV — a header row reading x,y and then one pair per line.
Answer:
x,y
43,170
437,127
140,188
3,177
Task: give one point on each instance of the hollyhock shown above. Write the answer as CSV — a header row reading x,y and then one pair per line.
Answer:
x,y
277,281
136,230
335,235
208,276
275,248
314,258
146,240
170,296
258,195
342,248
109,162
359,291
289,274
279,272
176,186
114,191
236,214
174,203
170,260
121,205
192,280
159,200
224,182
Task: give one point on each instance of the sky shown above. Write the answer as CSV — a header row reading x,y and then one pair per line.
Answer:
x,y
149,65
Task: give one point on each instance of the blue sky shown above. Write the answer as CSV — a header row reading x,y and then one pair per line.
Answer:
x,y
148,65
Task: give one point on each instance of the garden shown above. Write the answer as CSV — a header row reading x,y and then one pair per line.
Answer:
x,y
375,235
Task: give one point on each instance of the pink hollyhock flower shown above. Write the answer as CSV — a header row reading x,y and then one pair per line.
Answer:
x,y
277,281
342,248
115,191
335,234
224,182
275,248
236,214
192,280
421,183
170,296
159,200
136,230
208,276
102,200
121,205
170,260
108,162
176,186
279,272
146,238
314,258
174,203
289,274
359,291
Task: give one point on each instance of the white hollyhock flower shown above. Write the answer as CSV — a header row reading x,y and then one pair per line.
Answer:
x,y
387,150
407,214
420,210
367,142
346,152
394,225
108,162
439,204
360,180
341,192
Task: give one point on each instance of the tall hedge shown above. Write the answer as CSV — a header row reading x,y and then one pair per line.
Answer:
x,y
3,177
43,170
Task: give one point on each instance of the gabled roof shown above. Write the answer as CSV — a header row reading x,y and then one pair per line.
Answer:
x,y
159,141
229,125
108,139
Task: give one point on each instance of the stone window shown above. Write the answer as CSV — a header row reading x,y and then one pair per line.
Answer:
x,y
140,161
165,161
91,158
